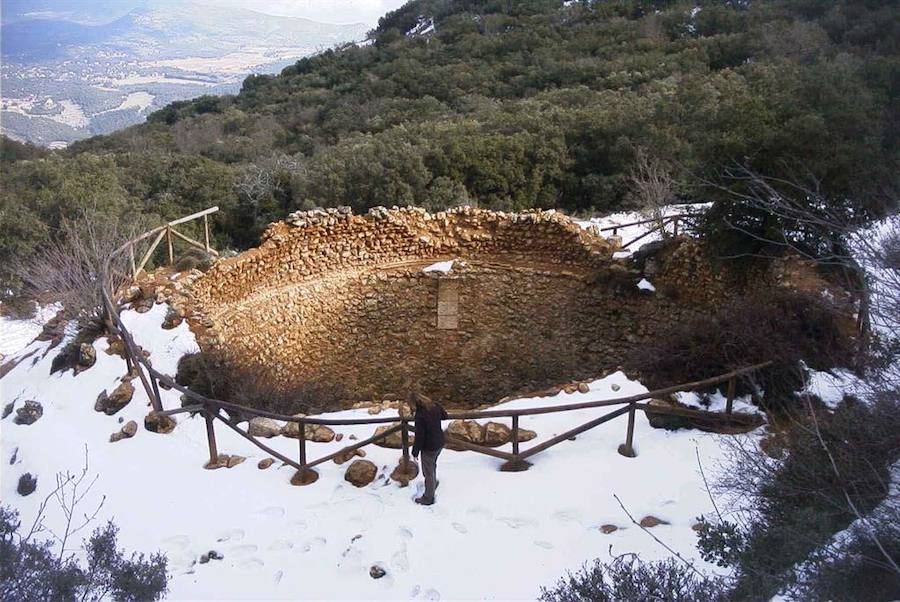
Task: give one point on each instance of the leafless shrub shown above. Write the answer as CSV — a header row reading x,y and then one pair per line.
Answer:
x,y
70,270
653,186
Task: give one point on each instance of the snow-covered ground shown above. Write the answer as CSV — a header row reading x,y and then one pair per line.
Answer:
x,y
491,535
629,233
15,335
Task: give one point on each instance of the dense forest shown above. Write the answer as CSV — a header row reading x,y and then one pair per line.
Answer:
x,y
512,105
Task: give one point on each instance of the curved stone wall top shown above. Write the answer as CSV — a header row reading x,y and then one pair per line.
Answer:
x,y
310,244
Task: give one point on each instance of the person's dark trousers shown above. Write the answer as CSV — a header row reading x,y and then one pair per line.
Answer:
x,y
429,470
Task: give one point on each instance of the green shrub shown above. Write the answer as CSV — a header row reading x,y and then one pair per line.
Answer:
x,y
628,579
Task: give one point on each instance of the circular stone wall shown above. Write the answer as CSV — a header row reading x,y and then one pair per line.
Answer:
x,y
335,299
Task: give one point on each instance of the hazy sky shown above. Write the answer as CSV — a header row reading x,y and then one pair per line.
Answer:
x,y
104,11
328,11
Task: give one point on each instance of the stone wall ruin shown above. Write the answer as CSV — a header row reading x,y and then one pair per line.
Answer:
x,y
531,300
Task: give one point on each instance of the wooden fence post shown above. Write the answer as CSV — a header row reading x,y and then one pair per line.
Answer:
x,y
156,401
404,439
516,464
627,448
732,383
515,434
302,442
305,475
133,264
206,232
171,248
211,436
675,226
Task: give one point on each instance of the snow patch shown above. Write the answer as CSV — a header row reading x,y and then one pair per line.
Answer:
x,y
281,542
442,267
645,285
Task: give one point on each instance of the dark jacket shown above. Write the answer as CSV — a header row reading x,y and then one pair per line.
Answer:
x,y
429,434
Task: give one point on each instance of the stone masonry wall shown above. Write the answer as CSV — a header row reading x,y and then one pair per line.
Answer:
x,y
334,298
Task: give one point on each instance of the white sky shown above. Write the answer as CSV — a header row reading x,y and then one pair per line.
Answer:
x,y
326,11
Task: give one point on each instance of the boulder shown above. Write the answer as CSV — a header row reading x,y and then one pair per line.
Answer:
x,y
27,484
127,432
319,433
526,435
307,476
347,455
144,305
376,572
29,413
115,401
292,429
87,356
360,473
681,417
260,426
496,434
394,440
648,522
405,472
466,430
159,423
264,464
224,461
607,529
7,409
313,432
583,388
173,319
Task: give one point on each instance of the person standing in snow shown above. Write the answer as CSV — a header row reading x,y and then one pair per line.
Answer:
x,y
429,440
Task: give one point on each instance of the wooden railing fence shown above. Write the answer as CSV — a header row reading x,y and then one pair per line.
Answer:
x,y
661,224
212,409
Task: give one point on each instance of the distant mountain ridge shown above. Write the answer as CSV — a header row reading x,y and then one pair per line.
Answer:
x,y
169,29
68,75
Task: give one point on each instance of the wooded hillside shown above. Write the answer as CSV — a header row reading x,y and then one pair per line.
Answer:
x,y
538,103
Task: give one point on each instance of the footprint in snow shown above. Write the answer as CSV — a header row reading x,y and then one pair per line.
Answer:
x,y
517,522
243,551
271,512
543,544
480,511
251,563
350,562
405,532
280,544
400,560
431,594
230,535
567,516
299,525
277,577
461,528
315,542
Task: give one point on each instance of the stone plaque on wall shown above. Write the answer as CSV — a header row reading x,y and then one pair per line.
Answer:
x,y
448,304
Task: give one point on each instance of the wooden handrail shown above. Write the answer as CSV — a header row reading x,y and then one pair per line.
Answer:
x,y
647,221
211,408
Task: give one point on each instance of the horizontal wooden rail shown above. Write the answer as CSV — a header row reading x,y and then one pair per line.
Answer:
x,y
258,444
571,433
382,435
152,379
647,221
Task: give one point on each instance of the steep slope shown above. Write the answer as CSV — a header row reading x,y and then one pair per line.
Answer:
x,y
513,105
